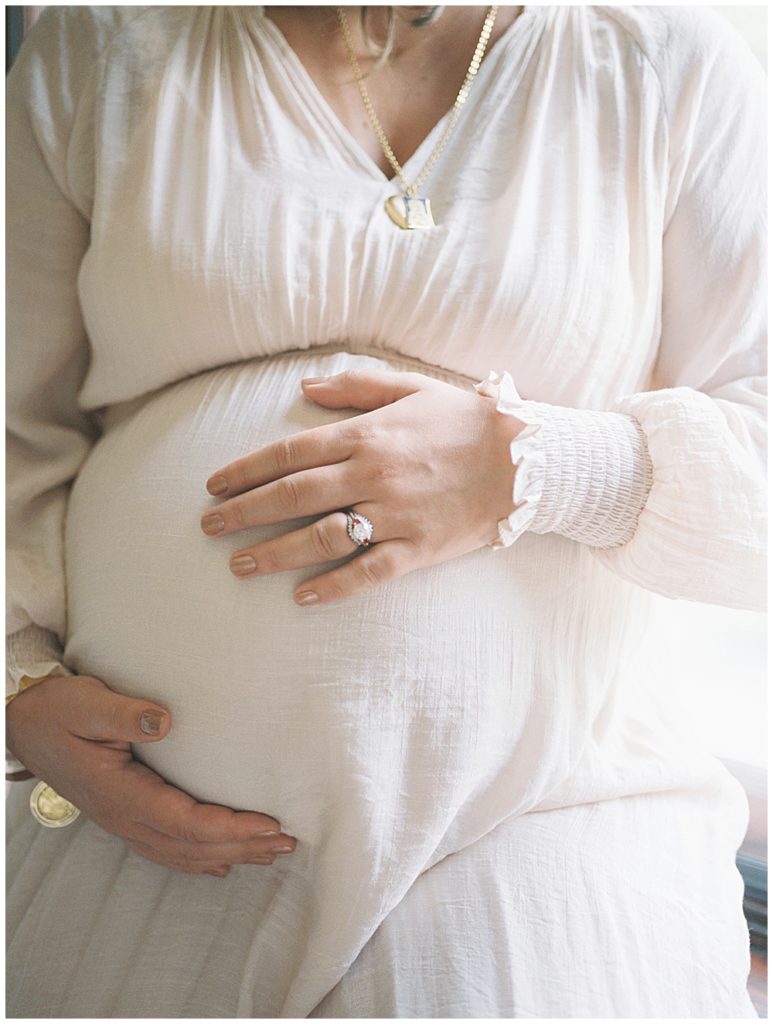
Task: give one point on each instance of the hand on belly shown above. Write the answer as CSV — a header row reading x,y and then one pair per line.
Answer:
x,y
428,466
75,734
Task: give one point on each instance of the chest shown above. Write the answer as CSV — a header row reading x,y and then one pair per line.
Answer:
x,y
239,218
408,94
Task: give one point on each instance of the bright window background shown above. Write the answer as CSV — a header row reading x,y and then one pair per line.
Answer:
x,y
752,24
720,656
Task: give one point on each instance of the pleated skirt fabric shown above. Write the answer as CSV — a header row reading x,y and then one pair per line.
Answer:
x,y
610,909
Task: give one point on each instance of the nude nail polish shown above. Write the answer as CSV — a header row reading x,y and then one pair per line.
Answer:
x,y
242,565
150,722
217,485
212,524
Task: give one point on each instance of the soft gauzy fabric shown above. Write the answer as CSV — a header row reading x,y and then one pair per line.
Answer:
x,y
497,810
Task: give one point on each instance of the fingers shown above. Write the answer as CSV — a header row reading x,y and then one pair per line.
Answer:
x,y
169,827
326,470
376,565
75,734
301,494
320,446
363,389
325,540
170,850
97,713
148,799
150,853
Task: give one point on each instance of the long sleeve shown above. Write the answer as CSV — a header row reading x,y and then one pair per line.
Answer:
x,y
668,487
48,436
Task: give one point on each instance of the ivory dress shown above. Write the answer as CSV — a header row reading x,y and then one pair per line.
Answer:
x,y
498,810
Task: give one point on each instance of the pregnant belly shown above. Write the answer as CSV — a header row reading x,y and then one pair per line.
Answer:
x,y
418,711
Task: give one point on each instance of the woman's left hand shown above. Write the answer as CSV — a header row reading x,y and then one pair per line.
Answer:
x,y
429,465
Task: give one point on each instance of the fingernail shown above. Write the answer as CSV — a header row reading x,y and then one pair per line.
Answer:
x,y
241,565
212,524
150,722
217,874
315,380
282,849
306,597
217,485
266,832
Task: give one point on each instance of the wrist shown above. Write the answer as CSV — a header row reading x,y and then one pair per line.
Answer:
x,y
523,470
16,707
25,683
503,431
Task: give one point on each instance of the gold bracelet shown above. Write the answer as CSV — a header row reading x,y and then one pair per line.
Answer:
x,y
24,684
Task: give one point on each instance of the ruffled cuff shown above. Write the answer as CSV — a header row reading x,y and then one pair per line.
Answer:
x,y
582,474
34,652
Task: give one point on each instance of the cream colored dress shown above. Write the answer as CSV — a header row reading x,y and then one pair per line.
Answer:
x,y
498,810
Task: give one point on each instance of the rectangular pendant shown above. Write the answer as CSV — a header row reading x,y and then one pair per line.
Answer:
x,y
418,213
409,212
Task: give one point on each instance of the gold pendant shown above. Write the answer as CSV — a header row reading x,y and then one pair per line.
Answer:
x,y
409,212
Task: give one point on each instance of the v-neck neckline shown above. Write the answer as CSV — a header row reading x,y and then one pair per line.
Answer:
x,y
313,97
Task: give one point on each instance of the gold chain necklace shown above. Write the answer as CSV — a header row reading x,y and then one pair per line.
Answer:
x,y
410,210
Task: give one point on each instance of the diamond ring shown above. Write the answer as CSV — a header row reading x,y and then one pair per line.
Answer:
x,y
359,528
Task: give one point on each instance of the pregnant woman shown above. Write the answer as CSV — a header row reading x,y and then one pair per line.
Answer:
x,y
368,378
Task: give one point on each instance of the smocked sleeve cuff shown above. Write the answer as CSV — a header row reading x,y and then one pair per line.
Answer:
x,y
583,474
32,651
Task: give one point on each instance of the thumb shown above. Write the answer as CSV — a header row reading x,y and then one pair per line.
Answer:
x,y
363,389
106,715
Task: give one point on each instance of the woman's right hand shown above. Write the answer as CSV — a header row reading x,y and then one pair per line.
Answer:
x,y
75,733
